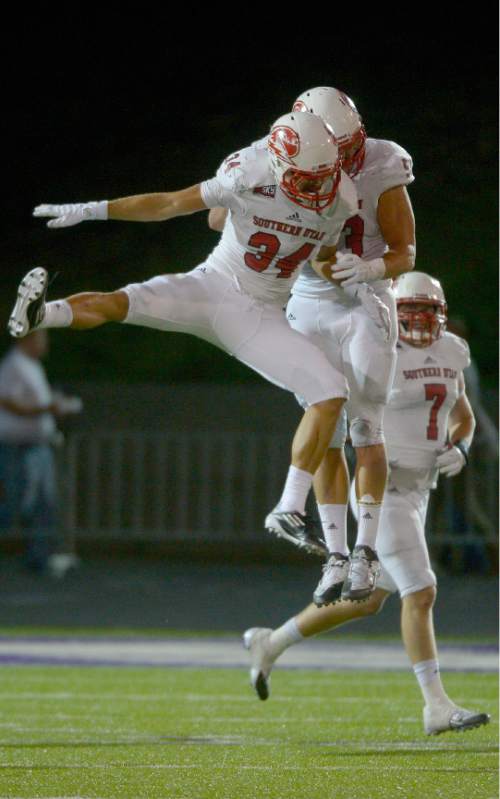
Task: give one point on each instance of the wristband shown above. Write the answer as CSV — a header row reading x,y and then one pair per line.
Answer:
x,y
101,210
377,267
95,210
464,447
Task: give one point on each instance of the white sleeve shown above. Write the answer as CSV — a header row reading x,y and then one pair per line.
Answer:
x,y
225,188
462,351
215,195
397,170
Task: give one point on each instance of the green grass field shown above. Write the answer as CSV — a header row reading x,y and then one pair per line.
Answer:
x,y
145,733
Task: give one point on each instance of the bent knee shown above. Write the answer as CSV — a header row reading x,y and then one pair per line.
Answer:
x,y
421,600
329,407
366,432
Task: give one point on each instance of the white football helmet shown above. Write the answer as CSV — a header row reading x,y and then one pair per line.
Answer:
x,y
304,160
421,307
338,111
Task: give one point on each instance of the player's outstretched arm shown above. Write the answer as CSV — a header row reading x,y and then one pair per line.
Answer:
x,y
156,207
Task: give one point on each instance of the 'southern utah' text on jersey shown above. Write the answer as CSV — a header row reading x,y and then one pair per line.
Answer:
x,y
268,238
386,166
425,389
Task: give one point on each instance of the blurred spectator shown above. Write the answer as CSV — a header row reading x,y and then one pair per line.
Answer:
x,y
29,409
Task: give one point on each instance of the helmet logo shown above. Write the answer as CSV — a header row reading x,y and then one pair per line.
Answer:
x,y
299,105
286,141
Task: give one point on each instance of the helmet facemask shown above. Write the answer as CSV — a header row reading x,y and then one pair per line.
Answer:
x,y
353,152
294,186
421,322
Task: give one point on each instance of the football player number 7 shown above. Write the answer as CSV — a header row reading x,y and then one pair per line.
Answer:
x,y
435,393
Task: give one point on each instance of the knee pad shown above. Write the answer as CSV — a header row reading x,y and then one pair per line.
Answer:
x,y
366,430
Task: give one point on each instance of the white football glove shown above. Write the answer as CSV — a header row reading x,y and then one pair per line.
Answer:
x,y
73,213
351,269
450,461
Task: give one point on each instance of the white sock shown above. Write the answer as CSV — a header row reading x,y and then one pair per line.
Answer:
x,y
284,636
334,524
297,486
368,519
57,314
429,679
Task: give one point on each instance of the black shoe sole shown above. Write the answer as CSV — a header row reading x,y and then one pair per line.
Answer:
x,y
262,687
308,545
330,597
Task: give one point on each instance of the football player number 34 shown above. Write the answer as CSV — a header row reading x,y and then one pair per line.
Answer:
x,y
435,393
267,250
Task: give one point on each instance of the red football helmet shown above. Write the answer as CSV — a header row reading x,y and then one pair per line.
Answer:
x,y
422,309
305,160
338,111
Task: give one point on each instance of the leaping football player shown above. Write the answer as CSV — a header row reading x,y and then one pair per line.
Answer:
x,y
287,204
376,245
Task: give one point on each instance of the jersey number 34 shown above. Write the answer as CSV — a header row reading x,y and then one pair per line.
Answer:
x,y
267,246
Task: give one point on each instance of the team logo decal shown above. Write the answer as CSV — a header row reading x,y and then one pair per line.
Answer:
x,y
285,141
299,106
266,191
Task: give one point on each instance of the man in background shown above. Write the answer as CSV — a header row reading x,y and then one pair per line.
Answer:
x,y
29,410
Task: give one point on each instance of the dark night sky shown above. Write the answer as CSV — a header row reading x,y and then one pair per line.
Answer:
x,y
100,108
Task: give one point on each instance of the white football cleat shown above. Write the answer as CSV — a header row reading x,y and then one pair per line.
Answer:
x,y
29,309
362,575
256,640
443,718
329,587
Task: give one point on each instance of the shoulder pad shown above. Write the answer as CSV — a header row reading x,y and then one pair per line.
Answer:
x,y
245,169
458,347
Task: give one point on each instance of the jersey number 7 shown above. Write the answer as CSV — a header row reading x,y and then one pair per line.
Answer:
x,y
435,393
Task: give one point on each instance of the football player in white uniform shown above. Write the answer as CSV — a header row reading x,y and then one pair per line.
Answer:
x,y
377,244
429,426
287,204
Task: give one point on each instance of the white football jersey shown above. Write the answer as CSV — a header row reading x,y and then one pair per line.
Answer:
x,y
425,389
267,238
386,166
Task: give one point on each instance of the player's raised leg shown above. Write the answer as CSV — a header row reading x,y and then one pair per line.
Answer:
x,y
80,312
266,645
